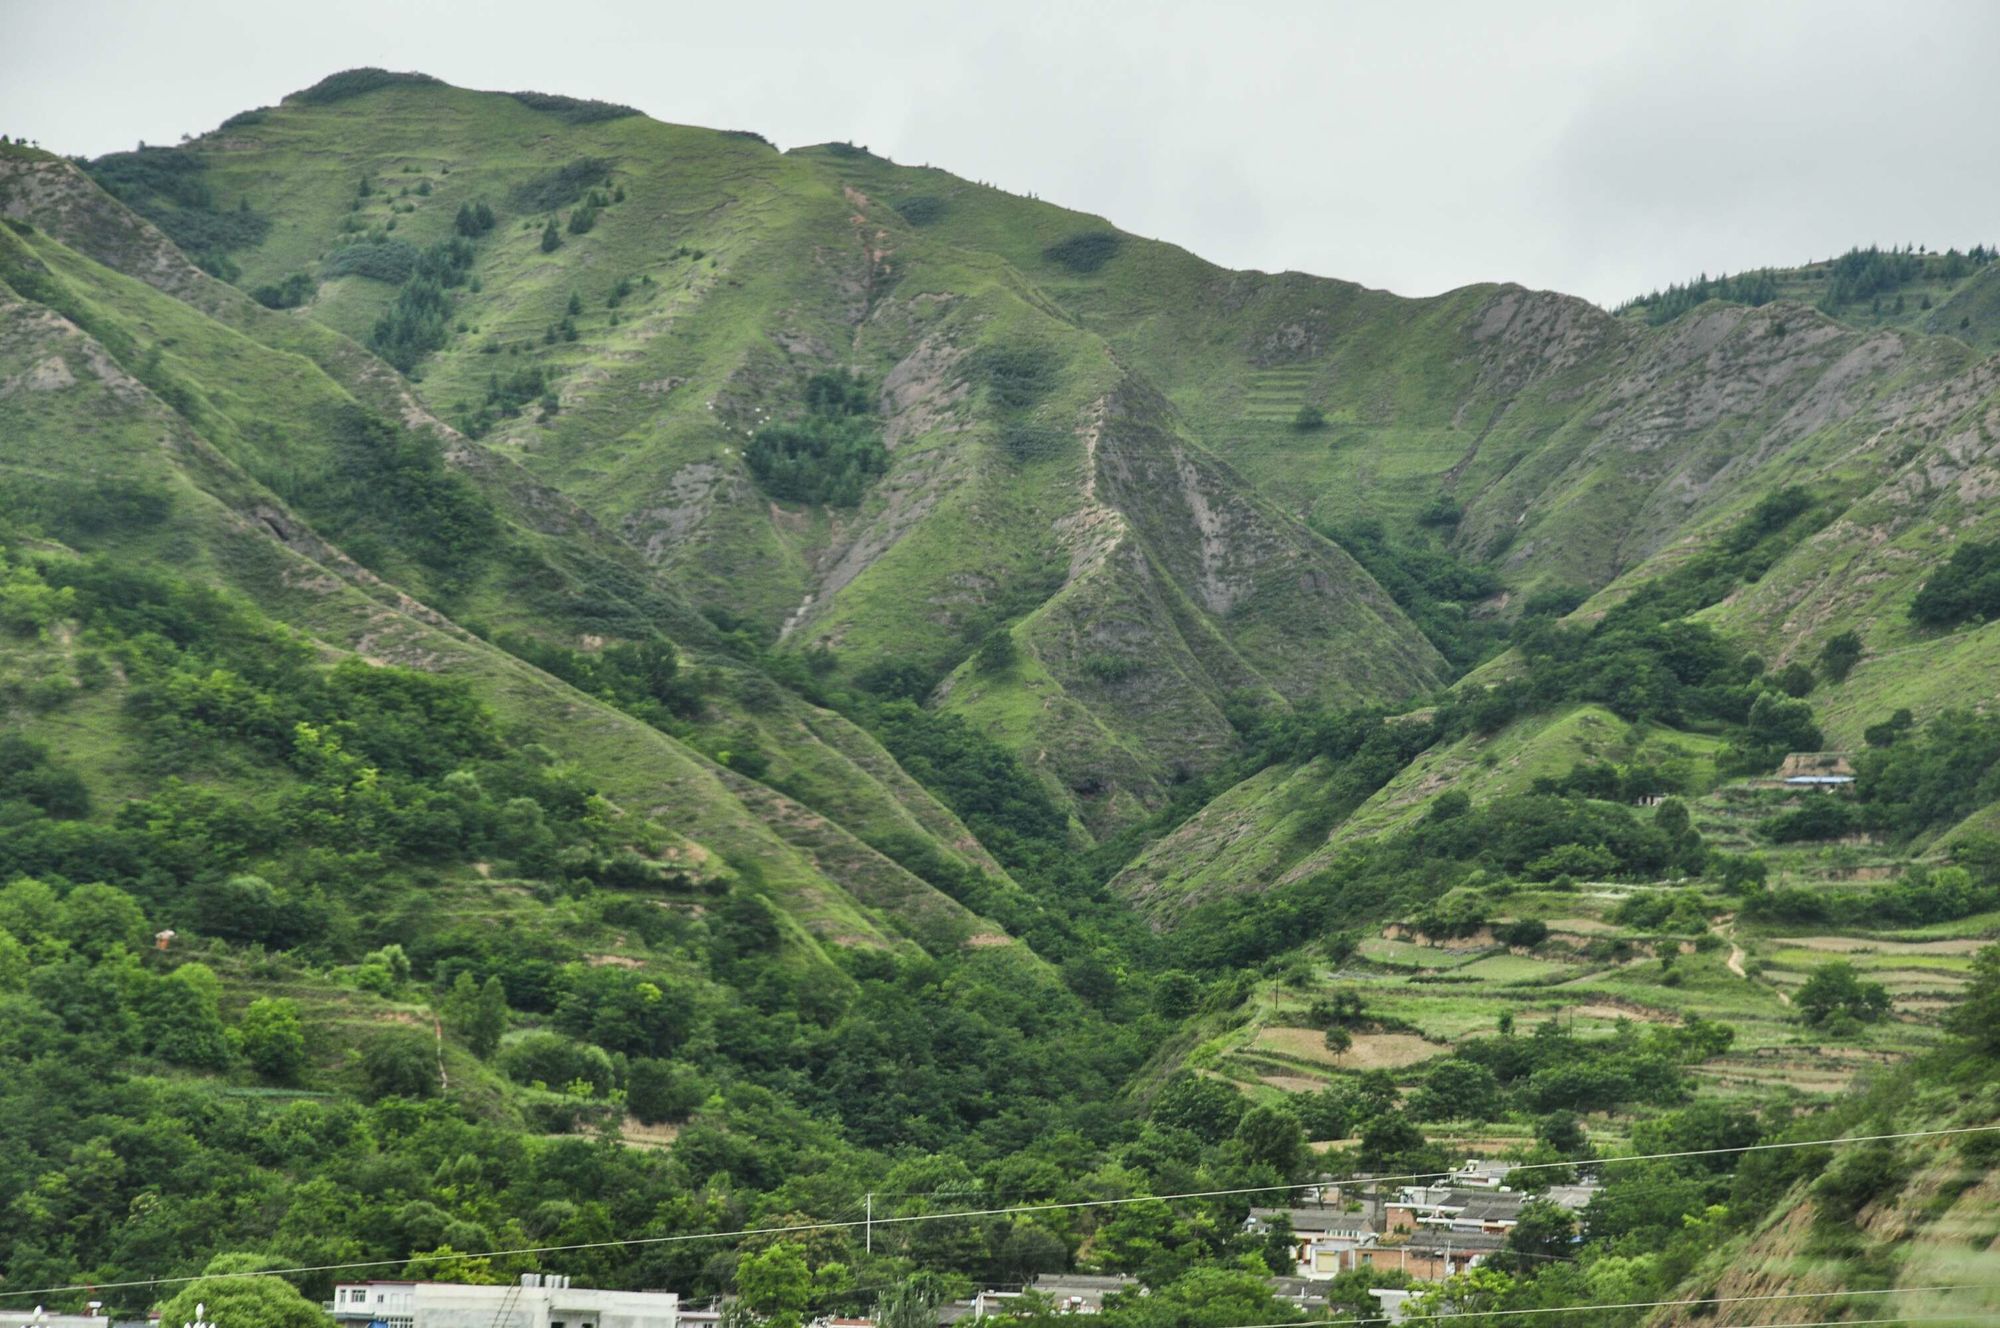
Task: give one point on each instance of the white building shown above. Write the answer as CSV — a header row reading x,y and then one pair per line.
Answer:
x,y
41,1318
536,1301
1480,1174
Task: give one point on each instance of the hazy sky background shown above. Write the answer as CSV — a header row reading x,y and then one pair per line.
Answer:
x,y
1599,148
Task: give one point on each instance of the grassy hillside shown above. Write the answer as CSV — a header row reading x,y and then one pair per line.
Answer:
x,y
661,686
714,280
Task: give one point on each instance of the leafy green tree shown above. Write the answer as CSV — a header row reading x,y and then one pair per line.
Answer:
x,y
1280,1252
272,1039
997,653
1389,1141
1203,1297
477,1012
1029,1249
1543,1232
1271,1137
1837,988
446,1264
776,1284
14,963
1780,724
98,917
30,909
1796,680
1457,1089
244,1302
399,1063
1309,419
658,1091
1563,1132
489,1018
182,1016
1207,1108
1977,1018
1839,655
911,1304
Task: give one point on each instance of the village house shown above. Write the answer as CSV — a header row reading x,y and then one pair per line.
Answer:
x,y
1479,1174
41,1318
1432,1256
1392,1300
1825,771
1441,1208
1323,1239
538,1300
1572,1197
1427,1231
1069,1293
1307,1293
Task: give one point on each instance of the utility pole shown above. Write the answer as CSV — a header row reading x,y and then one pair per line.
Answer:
x,y
868,1222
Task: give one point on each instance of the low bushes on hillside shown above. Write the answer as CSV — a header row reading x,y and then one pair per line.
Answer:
x,y
1086,251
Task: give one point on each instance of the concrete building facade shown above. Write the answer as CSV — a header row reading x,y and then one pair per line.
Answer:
x,y
538,1300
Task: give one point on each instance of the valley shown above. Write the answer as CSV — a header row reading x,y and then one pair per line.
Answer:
x,y
585,695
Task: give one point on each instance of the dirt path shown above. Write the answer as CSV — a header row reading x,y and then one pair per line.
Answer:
x,y
1735,961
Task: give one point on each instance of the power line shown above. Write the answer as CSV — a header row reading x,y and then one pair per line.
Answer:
x,y
799,1228
1704,1300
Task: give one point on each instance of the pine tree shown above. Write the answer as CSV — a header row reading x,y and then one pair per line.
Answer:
x,y
551,237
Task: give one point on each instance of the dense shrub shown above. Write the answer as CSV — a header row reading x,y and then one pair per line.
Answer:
x,y
1967,588
922,209
419,320
473,220
353,82
169,187
379,260
1086,251
560,187
556,1062
392,485
828,455
573,110
289,293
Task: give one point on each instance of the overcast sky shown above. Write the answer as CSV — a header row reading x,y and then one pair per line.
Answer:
x,y
1599,148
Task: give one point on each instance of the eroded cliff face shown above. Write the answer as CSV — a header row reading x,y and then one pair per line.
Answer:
x,y
1183,595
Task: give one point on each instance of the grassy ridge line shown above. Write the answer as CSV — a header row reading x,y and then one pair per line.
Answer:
x,y
1578,444
834,778
748,271
636,765
592,564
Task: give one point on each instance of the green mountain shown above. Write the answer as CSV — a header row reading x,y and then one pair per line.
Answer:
x,y
568,678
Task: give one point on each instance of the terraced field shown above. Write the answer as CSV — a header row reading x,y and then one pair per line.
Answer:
x,y
1595,972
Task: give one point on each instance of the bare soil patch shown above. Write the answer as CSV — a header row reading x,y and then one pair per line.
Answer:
x,y
1387,1051
614,961
1305,1044
641,1135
